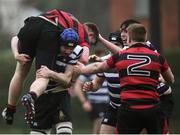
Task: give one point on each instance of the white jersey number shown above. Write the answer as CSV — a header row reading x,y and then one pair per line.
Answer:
x,y
136,68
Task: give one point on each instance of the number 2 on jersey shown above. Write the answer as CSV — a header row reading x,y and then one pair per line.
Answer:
x,y
136,69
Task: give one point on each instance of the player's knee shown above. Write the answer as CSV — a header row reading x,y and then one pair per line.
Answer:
x,y
64,128
38,131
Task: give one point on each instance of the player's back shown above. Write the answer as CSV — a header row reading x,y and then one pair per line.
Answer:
x,y
139,68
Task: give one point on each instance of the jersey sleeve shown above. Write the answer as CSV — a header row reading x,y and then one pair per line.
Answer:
x,y
100,74
75,55
151,46
162,88
83,36
67,20
112,60
79,27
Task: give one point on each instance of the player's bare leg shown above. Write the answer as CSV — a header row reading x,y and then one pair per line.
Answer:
x,y
17,82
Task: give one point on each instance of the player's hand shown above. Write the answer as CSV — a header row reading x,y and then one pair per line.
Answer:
x,y
87,86
77,69
100,36
161,79
23,58
87,106
8,114
43,72
94,58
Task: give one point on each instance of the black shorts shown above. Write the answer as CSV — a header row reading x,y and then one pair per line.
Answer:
x,y
51,109
39,38
166,107
167,104
98,110
132,121
110,117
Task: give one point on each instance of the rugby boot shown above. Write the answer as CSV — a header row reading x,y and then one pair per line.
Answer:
x,y
28,102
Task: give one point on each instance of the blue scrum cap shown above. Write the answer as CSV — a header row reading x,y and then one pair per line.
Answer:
x,y
69,37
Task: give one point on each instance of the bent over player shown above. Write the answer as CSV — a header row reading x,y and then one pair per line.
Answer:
x,y
39,39
53,106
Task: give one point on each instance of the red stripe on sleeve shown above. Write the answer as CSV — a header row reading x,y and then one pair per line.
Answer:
x,y
55,13
110,62
81,32
165,66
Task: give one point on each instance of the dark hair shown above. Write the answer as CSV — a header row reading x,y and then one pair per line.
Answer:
x,y
137,32
128,22
94,28
115,37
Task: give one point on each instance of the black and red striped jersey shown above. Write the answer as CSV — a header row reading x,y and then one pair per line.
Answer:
x,y
67,20
139,68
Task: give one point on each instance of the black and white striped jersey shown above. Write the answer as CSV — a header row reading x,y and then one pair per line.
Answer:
x,y
62,62
113,84
113,87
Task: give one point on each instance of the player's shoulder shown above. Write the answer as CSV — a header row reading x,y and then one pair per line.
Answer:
x,y
78,50
151,46
75,55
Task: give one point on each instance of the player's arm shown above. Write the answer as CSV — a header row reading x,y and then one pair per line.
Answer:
x,y
93,85
96,67
21,58
14,46
168,76
97,82
110,46
85,55
166,71
63,78
80,94
78,90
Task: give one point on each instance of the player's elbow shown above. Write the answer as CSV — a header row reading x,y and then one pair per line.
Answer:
x,y
14,38
170,80
168,76
14,41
